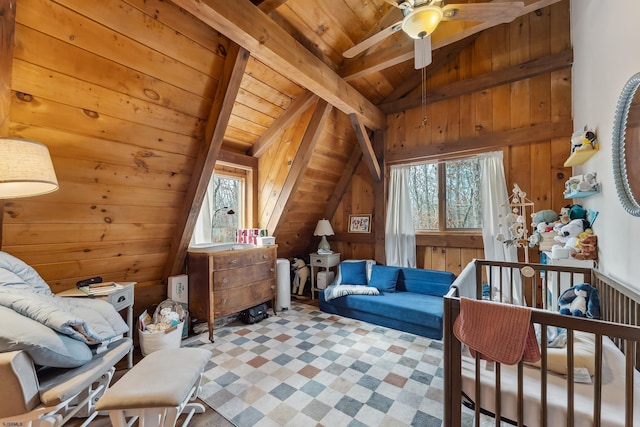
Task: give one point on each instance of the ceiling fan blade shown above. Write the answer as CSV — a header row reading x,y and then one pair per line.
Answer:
x,y
372,41
422,52
498,13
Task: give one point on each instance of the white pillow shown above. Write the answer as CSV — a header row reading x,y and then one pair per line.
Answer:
x,y
584,349
369,266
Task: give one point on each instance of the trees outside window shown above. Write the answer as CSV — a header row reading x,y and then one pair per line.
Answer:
x,y
445,196
227,208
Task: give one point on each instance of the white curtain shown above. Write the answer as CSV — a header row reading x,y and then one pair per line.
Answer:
x,y
494,197
400,236
202,230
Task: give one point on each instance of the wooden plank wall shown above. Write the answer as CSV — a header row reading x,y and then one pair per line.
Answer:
x,y
119,91
535,164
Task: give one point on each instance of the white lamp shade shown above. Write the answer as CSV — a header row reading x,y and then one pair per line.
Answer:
x,y
323,228
422,21
25,169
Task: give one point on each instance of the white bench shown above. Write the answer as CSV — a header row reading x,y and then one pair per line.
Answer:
x,y
158,389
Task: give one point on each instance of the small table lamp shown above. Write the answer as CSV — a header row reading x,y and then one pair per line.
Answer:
x,y
323,229
25,169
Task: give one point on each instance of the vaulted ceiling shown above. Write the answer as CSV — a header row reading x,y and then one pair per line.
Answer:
x,y
138,99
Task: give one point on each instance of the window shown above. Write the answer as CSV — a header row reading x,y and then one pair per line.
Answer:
x,y
223,209
228,207
445,196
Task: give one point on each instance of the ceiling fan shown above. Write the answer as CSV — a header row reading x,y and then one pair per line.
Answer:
x,y
421,17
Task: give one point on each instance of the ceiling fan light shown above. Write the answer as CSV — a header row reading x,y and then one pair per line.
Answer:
x,y
422,21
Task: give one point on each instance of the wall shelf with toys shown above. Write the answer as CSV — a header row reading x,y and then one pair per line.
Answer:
x,y
584,144
581,194
579,157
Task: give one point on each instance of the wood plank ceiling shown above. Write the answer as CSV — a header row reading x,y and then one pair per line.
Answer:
x,y
137,99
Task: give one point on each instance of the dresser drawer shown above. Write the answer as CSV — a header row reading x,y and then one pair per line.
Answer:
x,y
238,277
234,300
240,258
121,298
325,260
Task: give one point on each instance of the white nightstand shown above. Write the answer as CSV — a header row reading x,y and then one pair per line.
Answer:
x,y
321,260
120,299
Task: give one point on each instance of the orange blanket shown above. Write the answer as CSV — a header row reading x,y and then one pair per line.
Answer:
x,y
500,332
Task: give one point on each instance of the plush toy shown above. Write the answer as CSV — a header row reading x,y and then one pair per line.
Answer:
x,y
568,234
587,246
580,301
541,222
301,276
583,140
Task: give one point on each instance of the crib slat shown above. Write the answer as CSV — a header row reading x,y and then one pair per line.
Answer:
x,y
597,386
543,372
570,388
520,394
628,398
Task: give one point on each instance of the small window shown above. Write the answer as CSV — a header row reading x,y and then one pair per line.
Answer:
x,y
228,207
223,210
445,196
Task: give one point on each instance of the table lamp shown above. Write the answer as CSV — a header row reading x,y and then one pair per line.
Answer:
x,y
25,170
323,229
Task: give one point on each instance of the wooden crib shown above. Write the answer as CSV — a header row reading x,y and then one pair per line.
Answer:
x,y
526,395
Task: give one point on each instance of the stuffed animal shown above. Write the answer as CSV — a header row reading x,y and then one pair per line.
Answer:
x,y
587,246
580,301
301,276
541,222
568,236
583,140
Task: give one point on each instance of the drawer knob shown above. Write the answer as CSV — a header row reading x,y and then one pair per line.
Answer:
x,y
318,260
233,261
264,257
225,280
272,269
122,298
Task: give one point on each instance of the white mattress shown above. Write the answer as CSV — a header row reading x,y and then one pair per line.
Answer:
x,y
613,393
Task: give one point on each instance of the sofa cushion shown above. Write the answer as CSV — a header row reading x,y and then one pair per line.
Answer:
x,y
428,282
369,262
45,346
353,273
384,278
419,309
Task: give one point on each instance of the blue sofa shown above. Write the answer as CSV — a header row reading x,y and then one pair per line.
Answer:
x,y
414,303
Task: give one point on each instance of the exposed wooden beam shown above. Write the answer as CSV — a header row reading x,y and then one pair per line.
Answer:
x,y
447,33
476,144
290,115
219,115
365,146
485,81
268,6
237,159
300,162
7,34
247,26
342,186
379,202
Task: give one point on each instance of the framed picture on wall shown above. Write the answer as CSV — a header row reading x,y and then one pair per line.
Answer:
x,y
359,223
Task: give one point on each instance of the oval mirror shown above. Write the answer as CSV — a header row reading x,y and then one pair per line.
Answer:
x,y
626,146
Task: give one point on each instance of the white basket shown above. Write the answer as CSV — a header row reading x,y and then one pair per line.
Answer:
x,y
160,340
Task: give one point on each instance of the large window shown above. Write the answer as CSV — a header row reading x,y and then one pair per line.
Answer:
x,y
445,196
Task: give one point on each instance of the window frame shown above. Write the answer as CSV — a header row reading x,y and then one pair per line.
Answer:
x,y
442,207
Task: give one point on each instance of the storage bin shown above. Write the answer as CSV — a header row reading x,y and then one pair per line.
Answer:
x,y
150,342
324,279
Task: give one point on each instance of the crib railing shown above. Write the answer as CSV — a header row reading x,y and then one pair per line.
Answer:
x,y
509,281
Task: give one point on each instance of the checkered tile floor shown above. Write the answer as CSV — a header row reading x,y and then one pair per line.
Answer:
x,y
304,367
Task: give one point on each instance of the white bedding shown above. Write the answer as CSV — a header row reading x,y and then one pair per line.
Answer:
x,y
613,393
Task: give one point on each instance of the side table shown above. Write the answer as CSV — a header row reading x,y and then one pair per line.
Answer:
x,y
317,260
120,299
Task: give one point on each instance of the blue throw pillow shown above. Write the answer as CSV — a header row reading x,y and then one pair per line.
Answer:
x,y
354,273
384,278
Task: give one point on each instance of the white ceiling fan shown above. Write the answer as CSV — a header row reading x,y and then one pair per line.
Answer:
x,y
421,17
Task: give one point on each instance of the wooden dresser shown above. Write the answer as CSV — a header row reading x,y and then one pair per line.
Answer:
x,y
227,282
